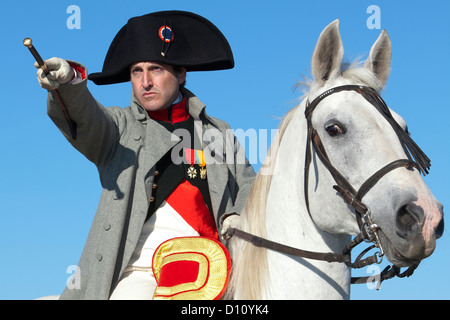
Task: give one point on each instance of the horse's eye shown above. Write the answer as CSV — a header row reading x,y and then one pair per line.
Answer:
x,y
334,130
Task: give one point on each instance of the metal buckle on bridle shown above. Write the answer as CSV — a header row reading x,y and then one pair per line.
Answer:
x,y
369,234
370,230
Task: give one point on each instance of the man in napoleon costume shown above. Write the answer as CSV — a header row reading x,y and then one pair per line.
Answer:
x,y
168,169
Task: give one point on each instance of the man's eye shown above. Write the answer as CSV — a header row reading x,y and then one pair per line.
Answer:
x,y
334,130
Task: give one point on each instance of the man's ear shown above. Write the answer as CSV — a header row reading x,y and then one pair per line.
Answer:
x,y
182,76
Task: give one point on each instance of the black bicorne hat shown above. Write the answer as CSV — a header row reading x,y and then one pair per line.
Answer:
x,y
176,38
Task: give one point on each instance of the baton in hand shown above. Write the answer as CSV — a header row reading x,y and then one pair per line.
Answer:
x,y
72,125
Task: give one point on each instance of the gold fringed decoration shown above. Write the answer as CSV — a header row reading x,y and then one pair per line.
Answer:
x,y
191,268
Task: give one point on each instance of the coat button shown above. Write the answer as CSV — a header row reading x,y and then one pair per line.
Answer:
x,y
152,199
107,226
137,137
99,257
155,186
156,173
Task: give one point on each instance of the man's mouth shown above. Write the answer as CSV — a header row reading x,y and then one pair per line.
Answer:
x,y
148,94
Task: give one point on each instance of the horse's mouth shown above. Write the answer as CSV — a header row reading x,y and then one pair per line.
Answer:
x,y
394,255
411,237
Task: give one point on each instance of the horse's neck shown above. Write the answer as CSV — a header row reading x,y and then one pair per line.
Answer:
x,y
288,222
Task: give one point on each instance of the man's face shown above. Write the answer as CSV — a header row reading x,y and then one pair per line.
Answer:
x,y
155,85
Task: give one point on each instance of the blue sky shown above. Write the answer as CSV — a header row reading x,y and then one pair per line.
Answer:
x,y
49,192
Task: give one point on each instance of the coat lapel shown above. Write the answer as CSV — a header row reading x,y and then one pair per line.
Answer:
x,y
209,134
217,178
159,141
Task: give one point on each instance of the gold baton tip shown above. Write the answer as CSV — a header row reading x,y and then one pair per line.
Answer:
x,y
27,42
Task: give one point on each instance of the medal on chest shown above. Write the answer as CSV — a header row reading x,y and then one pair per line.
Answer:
x,y
194,157
192,172
203,172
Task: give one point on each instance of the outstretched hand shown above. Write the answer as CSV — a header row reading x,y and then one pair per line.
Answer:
x,y
60,72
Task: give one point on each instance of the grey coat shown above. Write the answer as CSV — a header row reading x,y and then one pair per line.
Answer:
x,y
125,144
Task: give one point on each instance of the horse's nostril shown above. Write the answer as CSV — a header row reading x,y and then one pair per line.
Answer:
x,y
440,229
408,220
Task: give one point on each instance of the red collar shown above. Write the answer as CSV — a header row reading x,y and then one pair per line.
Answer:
x,y
173,114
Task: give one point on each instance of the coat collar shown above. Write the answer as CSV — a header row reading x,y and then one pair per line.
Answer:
x,y
174,114
195,107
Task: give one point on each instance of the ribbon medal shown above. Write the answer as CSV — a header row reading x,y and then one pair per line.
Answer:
x,y
195,157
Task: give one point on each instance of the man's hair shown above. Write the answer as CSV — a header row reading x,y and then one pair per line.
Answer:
x,y
177,70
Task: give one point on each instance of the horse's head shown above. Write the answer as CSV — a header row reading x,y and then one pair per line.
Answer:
x,y
359,141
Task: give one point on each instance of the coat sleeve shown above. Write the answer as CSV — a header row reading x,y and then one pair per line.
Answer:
x,y
97,130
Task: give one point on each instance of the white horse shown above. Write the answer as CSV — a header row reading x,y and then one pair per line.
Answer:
x,y
400,214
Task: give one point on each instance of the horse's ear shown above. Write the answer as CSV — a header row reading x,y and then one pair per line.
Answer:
x,y
379,60
327,56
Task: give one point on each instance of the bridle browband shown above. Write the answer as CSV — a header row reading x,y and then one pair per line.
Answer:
x,y
416,159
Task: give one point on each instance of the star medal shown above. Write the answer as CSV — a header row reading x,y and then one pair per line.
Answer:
x,y
192,172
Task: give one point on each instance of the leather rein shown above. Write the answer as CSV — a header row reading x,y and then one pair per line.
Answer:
x,y
416,159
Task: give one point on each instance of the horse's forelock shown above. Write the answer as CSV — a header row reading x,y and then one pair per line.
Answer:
x,y
354,73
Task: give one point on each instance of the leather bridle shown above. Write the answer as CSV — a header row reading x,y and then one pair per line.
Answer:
x,y
416,159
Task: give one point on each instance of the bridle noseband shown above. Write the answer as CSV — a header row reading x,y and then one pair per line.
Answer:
x,y
416,159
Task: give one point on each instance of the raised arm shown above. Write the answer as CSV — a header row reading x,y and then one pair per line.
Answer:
x,y
97,133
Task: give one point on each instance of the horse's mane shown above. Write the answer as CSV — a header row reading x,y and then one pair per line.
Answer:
x,y
251,280
252,220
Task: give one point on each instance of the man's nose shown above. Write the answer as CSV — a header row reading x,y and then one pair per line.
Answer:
x,y
147,81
